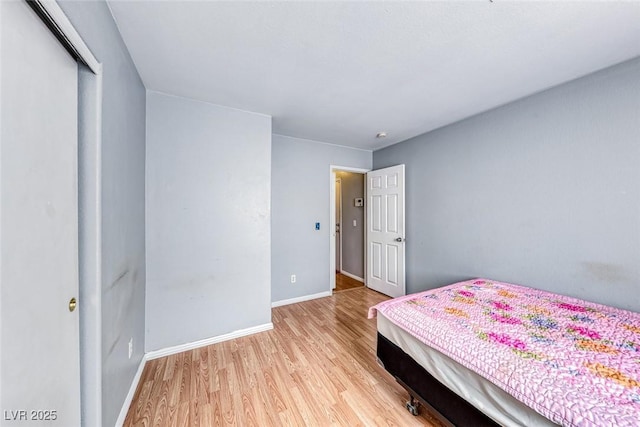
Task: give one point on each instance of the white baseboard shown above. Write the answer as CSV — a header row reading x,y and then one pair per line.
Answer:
x,y
353,276
179,349
156,354
300,299
132,392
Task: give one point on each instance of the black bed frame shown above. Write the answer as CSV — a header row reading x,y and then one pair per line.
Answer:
x,y
424,389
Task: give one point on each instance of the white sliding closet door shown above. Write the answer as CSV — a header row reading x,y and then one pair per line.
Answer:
x,y
39,366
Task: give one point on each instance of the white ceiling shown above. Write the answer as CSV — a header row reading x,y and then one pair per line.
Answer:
x,y
340,72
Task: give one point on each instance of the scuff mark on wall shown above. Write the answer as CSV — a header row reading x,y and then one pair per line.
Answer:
x,y
606,272
118,280
113,345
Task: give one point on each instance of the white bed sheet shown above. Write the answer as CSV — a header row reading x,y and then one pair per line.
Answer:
x,y
481,393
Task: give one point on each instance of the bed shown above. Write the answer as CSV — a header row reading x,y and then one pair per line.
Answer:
x,y
487,353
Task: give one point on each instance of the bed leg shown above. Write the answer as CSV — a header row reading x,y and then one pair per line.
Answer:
x,y
413,406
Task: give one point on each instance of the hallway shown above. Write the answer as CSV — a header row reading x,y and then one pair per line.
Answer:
x,y
344,283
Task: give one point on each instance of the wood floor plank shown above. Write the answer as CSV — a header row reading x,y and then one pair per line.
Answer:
x,y
141,407
161,414
271,392
317,367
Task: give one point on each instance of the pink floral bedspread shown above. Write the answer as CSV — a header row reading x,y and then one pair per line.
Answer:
x,y
575,362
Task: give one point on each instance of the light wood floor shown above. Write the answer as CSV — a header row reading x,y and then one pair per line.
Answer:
x,y
317,367
344,283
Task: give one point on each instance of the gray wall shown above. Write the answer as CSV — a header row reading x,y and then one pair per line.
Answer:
x,y
352,237
208,220
543,192
300,182
123,163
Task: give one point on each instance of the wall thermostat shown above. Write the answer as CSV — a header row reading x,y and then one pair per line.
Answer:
x,y
359,202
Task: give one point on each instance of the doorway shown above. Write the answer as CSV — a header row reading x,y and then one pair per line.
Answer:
x,y
347,254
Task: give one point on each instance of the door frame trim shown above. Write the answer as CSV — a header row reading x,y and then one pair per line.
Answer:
x,y
332,220
90,243
339,180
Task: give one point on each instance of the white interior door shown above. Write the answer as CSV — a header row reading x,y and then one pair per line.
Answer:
x,y
39,366
385,231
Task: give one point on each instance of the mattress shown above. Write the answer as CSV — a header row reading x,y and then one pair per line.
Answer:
x,y
482,394
575,362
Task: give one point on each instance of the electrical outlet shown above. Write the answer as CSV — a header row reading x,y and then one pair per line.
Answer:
x,y
293,278
130,347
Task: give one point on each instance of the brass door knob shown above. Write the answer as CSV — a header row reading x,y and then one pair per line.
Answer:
x,y
72,304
